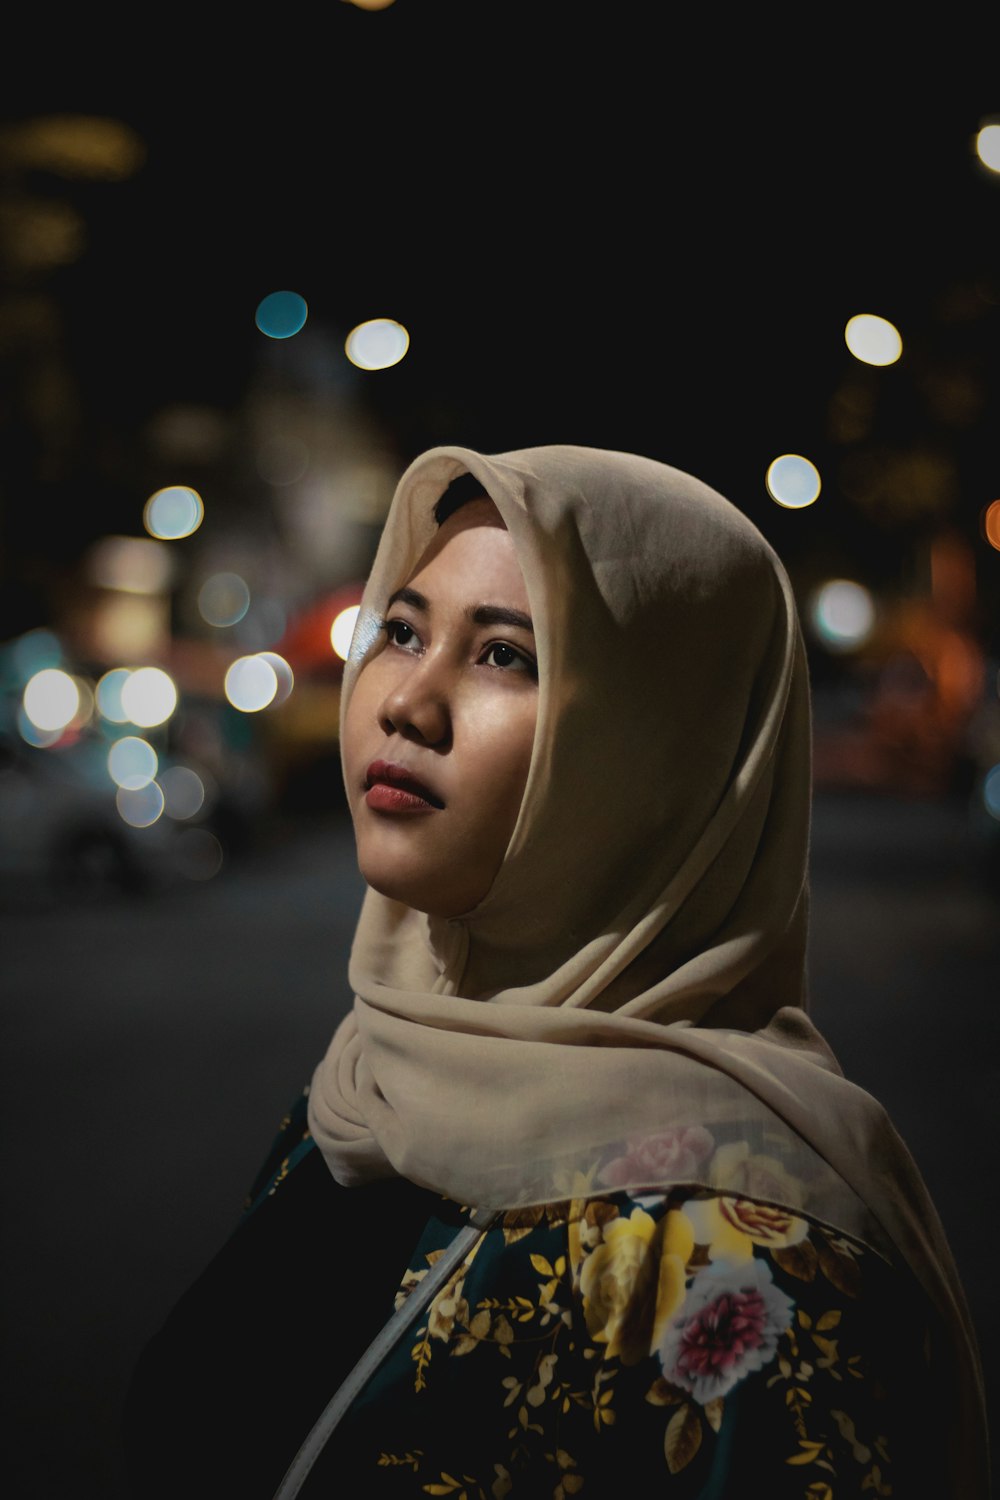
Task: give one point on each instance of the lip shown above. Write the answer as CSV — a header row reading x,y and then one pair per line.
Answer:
x,y
393,788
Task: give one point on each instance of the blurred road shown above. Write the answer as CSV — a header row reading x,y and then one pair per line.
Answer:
x,y
151,1046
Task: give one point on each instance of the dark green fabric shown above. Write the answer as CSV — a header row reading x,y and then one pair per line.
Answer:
x,y
467,1405
835,1412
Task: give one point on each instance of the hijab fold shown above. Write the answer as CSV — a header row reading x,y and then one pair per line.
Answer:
x,y
627,1007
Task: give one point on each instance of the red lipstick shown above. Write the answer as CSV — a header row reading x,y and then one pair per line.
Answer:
x,y
392,788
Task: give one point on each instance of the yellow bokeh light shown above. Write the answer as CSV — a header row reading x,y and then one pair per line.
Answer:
x,y
82,146
793,481
173,512
51,699
377,344
148,697
988,147
251,684
342,631
873,340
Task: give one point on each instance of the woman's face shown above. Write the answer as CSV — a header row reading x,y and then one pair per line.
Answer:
x,y
439,730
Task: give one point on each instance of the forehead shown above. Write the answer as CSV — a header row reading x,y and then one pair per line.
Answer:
x,y
472,546
479,511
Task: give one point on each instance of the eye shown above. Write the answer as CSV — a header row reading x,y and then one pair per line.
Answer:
x,y
507,657
399,633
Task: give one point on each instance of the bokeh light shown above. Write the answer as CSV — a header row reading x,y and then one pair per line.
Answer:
x,y
223,599
183,792
282,460
282,671
51,699
342,630
281,314
793,481
174,512
251,684
842,614
873,340
132,763
94,147
199,854
991,524
130,564
988,147
377,344
35,650
109,695
39,739
265,623
140,807
85,711
991,792
148,697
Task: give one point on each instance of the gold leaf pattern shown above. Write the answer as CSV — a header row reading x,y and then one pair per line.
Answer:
x,y
713,1413
662,1393
839,1269
564,1400
798,1260
562,1378
682,1439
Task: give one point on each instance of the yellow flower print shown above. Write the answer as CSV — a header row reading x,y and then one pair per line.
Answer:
x,y
730,1227
674,1256
778,1228
633,1283
735,1169
585,1229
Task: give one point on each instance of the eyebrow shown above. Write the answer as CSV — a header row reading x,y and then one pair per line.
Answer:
x,y
479,614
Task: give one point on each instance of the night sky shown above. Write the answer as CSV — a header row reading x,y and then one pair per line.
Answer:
x,y
596,229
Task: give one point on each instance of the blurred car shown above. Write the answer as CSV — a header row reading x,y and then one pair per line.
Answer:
x,y
62,835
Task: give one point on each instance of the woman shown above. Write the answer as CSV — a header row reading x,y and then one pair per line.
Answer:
x,y
575,736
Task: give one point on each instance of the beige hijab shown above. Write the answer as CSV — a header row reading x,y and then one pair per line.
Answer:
x,y
626,1007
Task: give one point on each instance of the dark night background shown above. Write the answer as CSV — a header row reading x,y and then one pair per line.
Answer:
x,y
597,229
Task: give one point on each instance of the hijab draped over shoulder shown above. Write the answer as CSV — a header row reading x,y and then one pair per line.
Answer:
x,y
626,1007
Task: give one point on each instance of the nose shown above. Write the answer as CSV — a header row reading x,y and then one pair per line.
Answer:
x,y
418,704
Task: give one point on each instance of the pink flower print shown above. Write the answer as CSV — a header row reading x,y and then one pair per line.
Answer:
x,y
660,1160
728,1326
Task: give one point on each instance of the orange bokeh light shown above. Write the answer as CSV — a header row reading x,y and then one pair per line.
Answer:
x,y
991,524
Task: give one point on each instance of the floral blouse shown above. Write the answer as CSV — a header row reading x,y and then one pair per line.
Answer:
x,y
685,1343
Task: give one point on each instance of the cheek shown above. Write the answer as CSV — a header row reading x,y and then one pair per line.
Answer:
x,y
504,758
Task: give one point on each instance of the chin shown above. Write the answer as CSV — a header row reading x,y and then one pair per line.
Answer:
x,y
395,885
422,894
